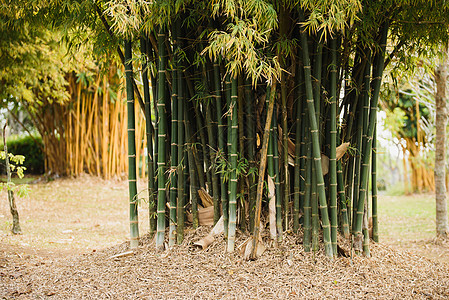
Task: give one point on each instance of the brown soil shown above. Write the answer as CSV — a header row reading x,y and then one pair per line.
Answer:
x,y
79,269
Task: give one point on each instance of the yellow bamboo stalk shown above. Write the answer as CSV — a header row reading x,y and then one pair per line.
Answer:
x,y
96,135
105,136
144,146
69,143
72,143
91,114
114,138
124,144
404,163
84,139
77,128
138,138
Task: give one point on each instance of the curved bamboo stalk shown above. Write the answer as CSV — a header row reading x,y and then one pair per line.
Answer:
x,y
262,167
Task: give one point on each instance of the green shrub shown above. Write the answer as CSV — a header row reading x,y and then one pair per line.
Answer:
x,y
26,146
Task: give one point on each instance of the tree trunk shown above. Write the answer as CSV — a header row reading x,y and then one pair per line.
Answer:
x,y
442,227
12,203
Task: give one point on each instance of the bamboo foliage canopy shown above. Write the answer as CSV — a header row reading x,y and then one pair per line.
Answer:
x,y
237,85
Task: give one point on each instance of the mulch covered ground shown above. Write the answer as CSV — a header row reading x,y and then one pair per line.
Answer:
x,y
187,272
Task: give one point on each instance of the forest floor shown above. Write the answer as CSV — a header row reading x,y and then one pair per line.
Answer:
x,y
73,228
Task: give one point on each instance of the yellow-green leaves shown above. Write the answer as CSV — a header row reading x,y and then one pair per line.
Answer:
x,y
16,162
329,17
125,16
259,11
242,47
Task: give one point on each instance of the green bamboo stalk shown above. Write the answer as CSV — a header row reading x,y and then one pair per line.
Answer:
x,y
180,204
272,143
220,136
376,82
174,144
316,149
214,175
199,153
349,180
317,73
351,92
204,157
181,158
162,127
333,146
342,197
149,132
286,177
194,185
155,140
132,182
233,160
365,230
315,211
358,137
242,151
366,92
307,240
277,176
225,201
303,160
251,146
208,149
297,171
362,119
374,188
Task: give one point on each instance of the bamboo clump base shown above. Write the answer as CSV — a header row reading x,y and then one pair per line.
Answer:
x,y
187,272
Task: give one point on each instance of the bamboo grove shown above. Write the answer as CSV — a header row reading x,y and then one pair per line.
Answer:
x,y
268,106
87,133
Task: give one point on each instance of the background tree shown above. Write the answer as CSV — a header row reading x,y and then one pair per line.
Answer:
x,y
442,226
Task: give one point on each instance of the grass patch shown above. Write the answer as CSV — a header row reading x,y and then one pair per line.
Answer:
x,y
24,180
408,222
407,217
